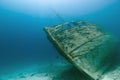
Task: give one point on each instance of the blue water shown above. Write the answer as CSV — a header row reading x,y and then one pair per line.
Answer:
x,y
22,39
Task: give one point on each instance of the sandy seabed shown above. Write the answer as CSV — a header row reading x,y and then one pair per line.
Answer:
x,y
53,71
47,71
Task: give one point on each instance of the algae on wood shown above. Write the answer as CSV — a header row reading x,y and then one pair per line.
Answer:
x,y
85,45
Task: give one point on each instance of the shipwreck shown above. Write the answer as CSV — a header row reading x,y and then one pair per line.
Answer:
x,y
88,47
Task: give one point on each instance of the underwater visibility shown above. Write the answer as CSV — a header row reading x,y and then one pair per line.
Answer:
x,y
59,40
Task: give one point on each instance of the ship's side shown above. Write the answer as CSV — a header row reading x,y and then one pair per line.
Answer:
x,y
85,45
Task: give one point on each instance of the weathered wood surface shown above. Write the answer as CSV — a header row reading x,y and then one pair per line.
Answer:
x,y
85,45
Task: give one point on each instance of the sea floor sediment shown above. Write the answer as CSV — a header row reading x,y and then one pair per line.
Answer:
x,y
45,71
